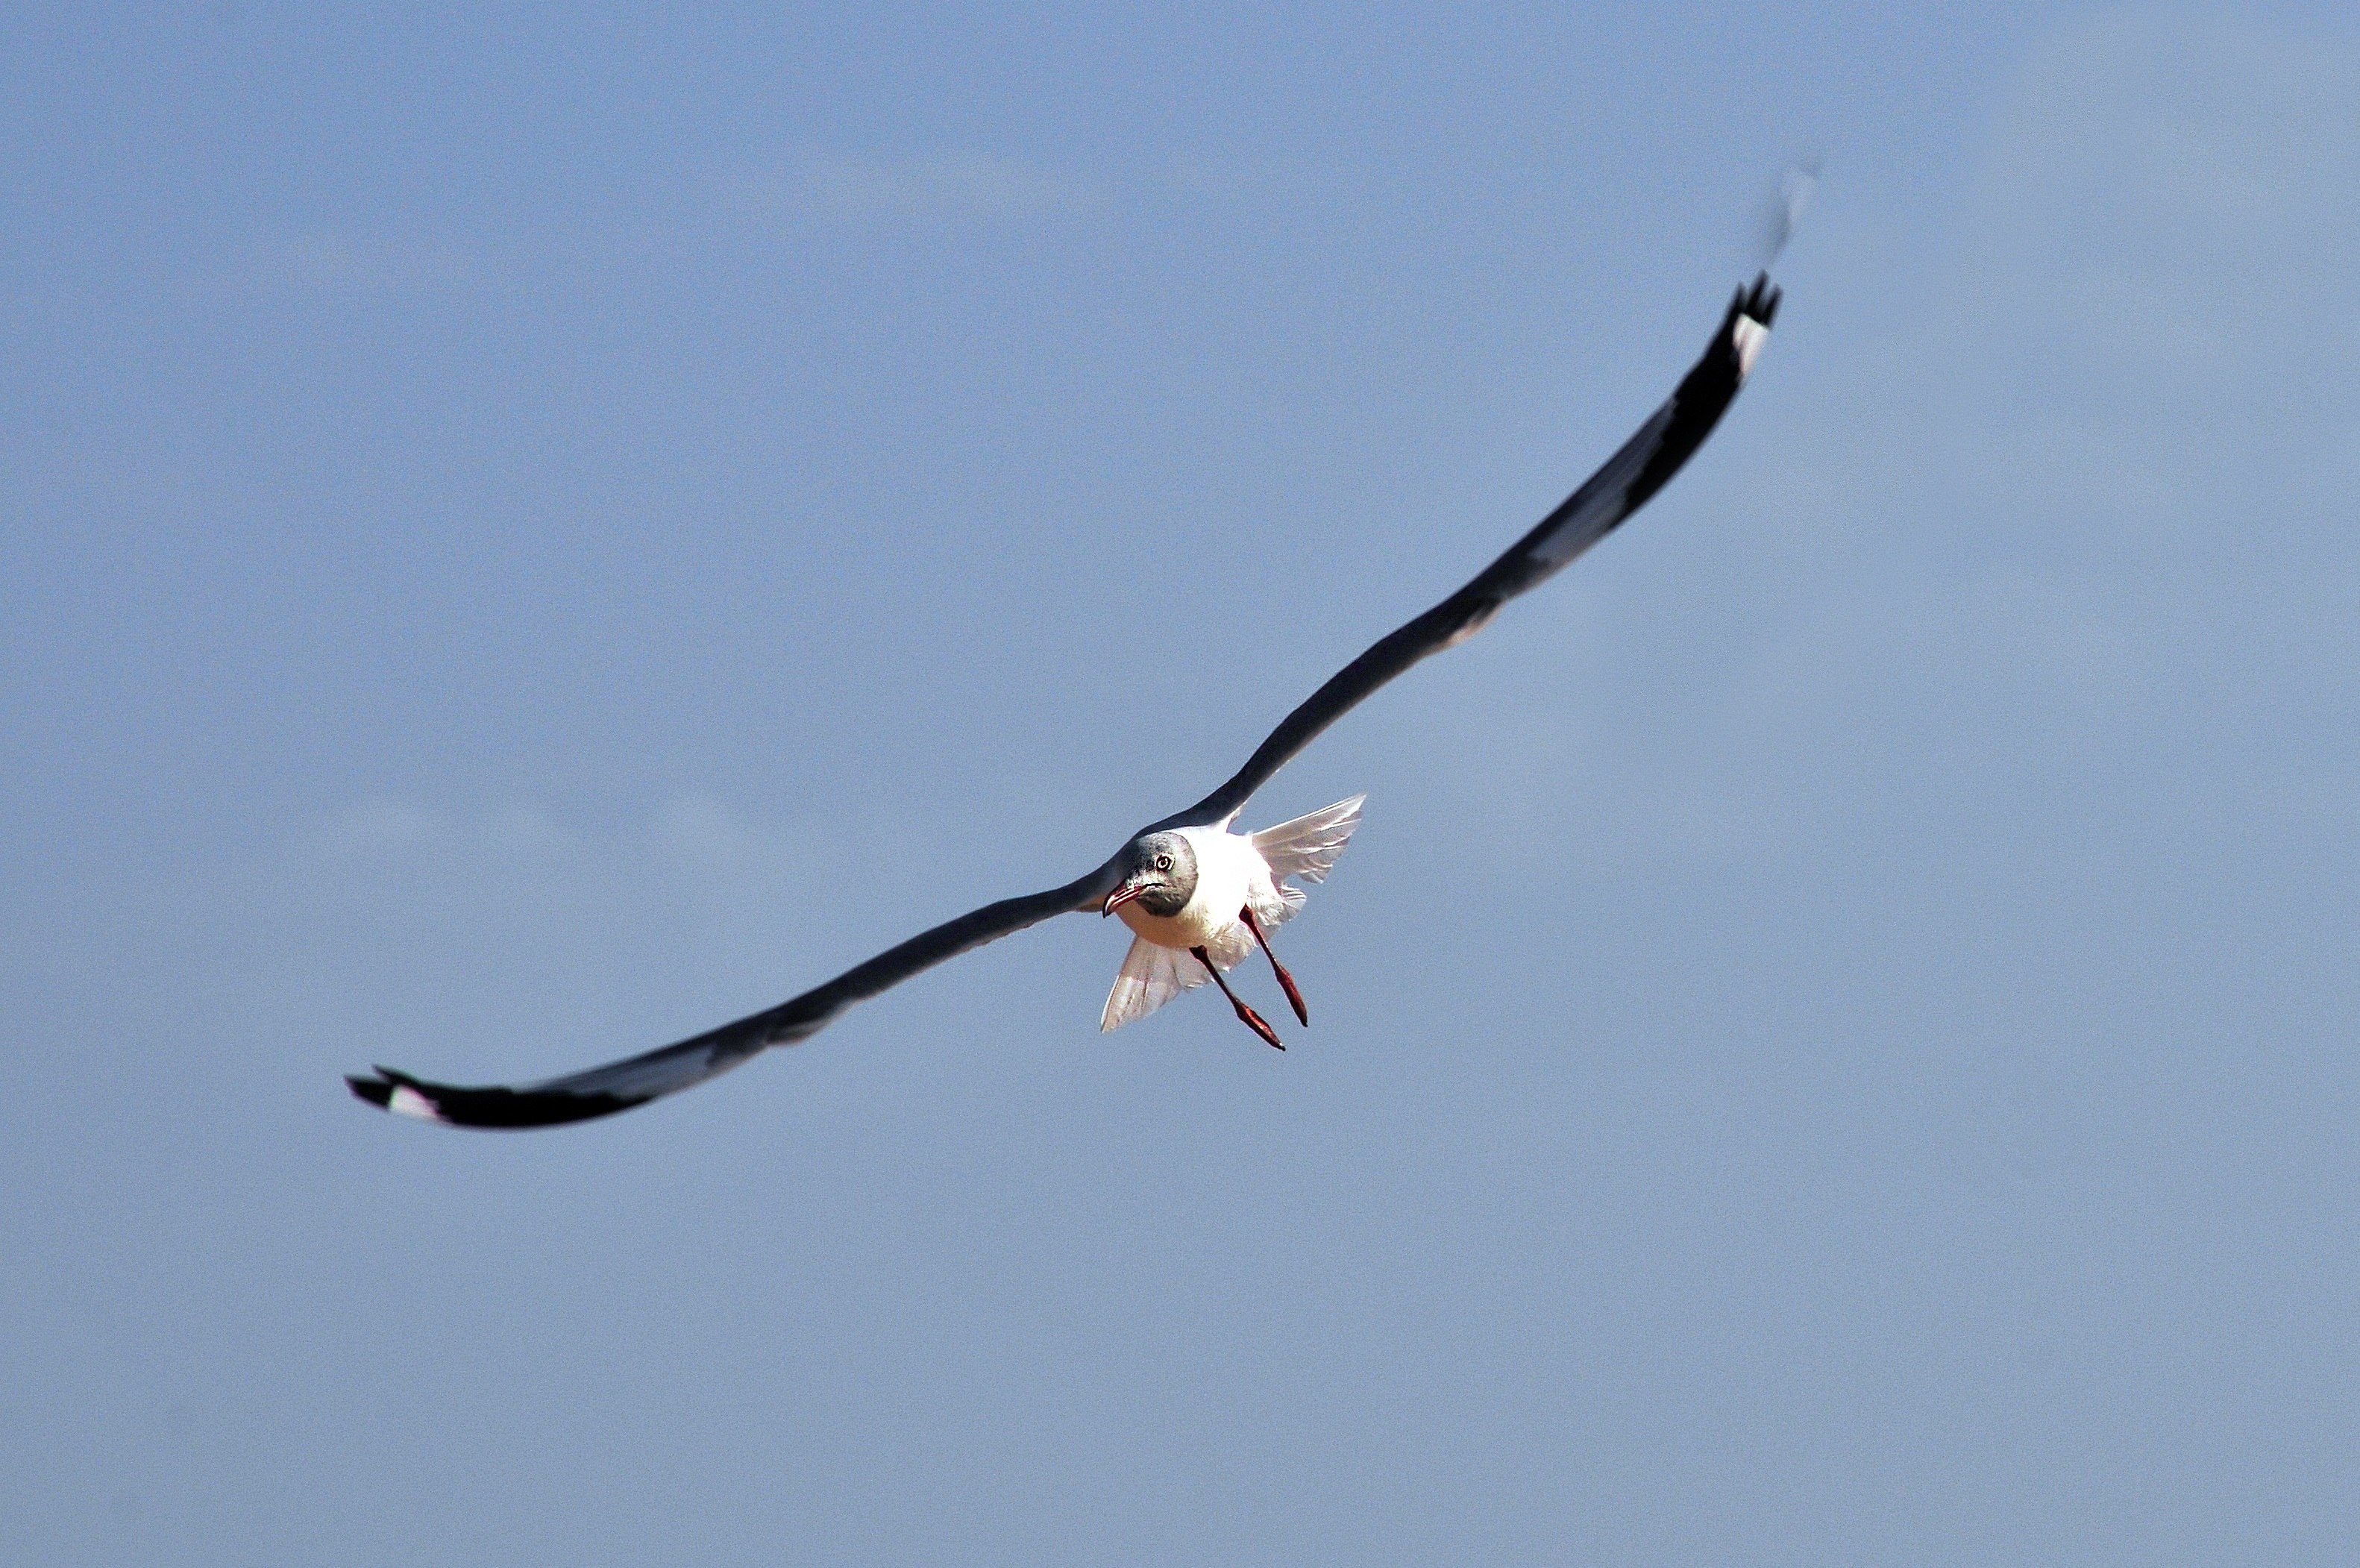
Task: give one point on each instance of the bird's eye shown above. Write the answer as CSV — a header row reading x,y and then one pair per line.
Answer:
x,y
1163,862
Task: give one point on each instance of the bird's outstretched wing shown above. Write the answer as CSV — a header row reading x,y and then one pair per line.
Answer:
x,y
635,1080
1668,439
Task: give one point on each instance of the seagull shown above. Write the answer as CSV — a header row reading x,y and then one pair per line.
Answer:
x,y
1198,899
1198,896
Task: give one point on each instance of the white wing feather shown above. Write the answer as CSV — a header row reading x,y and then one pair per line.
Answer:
x,y
1150,977
1307,847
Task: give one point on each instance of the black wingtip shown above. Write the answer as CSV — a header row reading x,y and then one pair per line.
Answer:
x,y
1761,300
401,1094
501,1109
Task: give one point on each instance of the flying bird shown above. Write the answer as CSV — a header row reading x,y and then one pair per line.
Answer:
x,y
1198,896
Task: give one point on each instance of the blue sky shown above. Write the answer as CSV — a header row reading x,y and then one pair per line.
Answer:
x,y
529,537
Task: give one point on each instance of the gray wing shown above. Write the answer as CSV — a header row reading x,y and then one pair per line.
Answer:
x,y
635,1080
1633,475
1646,461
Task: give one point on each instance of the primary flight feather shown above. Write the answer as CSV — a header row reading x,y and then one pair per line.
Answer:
x,y
1197,897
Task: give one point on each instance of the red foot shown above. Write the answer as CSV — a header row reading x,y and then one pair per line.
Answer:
x,y
1259,1025
1246,1016
1285,981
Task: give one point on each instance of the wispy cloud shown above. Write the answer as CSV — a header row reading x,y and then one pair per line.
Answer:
x,y
944,186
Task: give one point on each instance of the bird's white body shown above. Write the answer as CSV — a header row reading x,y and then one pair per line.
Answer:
x,y
1231,874
1234,871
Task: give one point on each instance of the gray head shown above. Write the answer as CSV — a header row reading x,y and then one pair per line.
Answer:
x,y
1160,871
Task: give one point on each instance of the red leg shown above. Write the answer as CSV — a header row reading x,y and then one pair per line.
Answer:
x,y
1285,981
1246,1016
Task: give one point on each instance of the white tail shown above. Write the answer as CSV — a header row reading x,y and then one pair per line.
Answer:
x,y
1307,847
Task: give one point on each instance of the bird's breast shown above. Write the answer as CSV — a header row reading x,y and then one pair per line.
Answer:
x,y
1227,869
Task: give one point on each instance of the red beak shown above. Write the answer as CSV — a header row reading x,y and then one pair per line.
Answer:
x,y
1121,896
